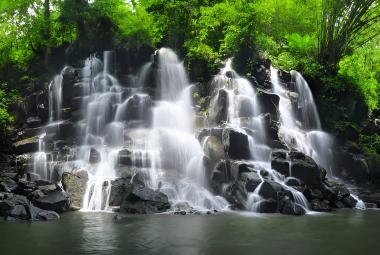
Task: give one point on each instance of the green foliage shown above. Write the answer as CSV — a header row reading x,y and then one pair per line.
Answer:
x,y
363,68
134,26
339,55
6,98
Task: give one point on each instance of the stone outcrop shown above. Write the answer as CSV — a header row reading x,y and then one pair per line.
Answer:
x,y
132,196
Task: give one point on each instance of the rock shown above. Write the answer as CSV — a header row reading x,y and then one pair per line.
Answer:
x,y
143,200
251,180
218,110
120,188
57,201
139,107
320,206
27,145
268,206
260,73
269,103
236,144
75,185
236,195
8,185
47,215
214,148
18,207
354,167
25,187
46,189
303,167
137,158
287,206
95,156
220,175
270,190
33,122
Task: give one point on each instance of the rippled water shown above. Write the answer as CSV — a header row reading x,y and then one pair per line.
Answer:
x,y
344,232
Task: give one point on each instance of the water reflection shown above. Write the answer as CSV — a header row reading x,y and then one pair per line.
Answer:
x,y
344,232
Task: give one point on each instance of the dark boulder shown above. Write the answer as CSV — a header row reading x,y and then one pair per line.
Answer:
x,y
269,103
236,144
251,180
139,107
143,200
57,201
270,190
303,167
320,205
133,197
267,206
8,185
95,156
33,122
218,111
287,206
27,145
18,207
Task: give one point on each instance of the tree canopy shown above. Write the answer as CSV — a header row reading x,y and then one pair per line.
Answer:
x,y
321,38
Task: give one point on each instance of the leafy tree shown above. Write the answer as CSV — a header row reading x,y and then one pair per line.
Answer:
x,y
345,25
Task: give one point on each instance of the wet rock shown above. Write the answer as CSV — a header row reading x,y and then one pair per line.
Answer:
x,y
214,148
236,144
95,156
268,206
261,73
27,145
33,122
287,206
251,180
120,188
70,76
220,175
270,190
57,201
218,111
47,215
139,108
320,205
127,157
303,167
269,103
354,167
236,195
143,200
18,207
75,185
8,185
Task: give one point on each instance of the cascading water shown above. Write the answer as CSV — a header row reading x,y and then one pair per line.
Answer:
x,y
156,135
41,166
245,115
179,164
300,123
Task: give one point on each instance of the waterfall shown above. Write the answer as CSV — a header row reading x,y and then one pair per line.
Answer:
x,y
179,163
300,123
123,130
245,114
